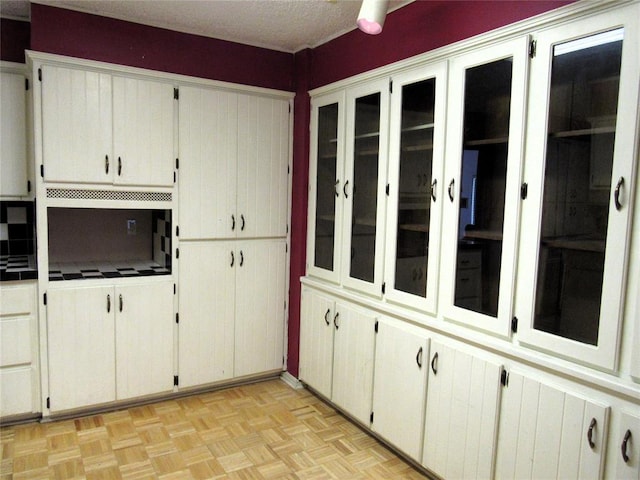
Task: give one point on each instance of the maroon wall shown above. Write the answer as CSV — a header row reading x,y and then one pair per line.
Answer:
x,y
14,39
66,32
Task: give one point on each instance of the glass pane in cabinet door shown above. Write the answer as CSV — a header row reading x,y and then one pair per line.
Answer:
x,y
365,187
482,186
583,103
414,196
326,186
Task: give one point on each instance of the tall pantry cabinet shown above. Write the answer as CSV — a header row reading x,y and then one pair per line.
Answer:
x,y
512,250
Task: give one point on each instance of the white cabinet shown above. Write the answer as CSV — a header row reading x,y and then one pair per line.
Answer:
x,y
400,385
233,170
339,364
485,125
232,309
463,403
627,446
98,128
580,171
546,432
107,343
414,208
13,135
18,349
348,167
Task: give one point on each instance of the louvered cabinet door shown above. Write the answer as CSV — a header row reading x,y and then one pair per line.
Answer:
x,y
546,432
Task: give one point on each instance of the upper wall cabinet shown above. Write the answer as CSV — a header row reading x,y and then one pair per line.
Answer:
x,y
416,150
580,176
13,140
103,129
233,170
484,159
347,194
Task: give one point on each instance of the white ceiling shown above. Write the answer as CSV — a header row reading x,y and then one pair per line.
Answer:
x,y
285,25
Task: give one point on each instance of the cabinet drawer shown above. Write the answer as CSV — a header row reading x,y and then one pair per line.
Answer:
x,y
469,259
15,391
15,341
16,300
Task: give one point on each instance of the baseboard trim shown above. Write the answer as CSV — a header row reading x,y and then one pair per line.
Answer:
x,y
292,381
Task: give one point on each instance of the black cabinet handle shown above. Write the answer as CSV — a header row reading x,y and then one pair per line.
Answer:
x,y
419,358
233,259
326,316
616,194
592,426
241,258
623,447
119,166
344,189
241,222
233,222
451,184
335,186
335,320
434,363
120,300
106,164
108,303
433,189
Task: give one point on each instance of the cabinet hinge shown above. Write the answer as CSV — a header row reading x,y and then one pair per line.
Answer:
x,y
524,190
288,169
390,86
386,190
177,253
42,171
371,417
48,402
177,164
28,185
40,74
287,231
514,324
176,94
504,378
376,326
384,287
26,84
177,318
44,298
532,48
175,380
174,177
177,230
174,288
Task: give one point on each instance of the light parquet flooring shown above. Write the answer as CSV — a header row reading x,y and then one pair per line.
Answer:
x,y
261,431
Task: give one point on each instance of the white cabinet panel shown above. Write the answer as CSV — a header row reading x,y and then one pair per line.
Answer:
x,y
400,385
144,339
81,340
143,132
76,125
316,341
16,389
628,466
206,307
208,139
260,306
15,340
13,134
461,422
548,433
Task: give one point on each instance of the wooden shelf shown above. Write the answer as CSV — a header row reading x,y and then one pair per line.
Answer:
x,y
414,227
583,132
483,234
568,243
424,126
486,141
418,148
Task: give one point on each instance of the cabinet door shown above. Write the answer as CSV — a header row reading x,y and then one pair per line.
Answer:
x,y
144,339
260,306
326,165
400,386
461,425
206,306
13,135
76,126
416,147
353,358
364,185
576,221
316,341
548,433
263,158
81,346
208,145
628,455
143,132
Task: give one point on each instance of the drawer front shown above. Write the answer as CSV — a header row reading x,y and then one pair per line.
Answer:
x,y
15,341
17,300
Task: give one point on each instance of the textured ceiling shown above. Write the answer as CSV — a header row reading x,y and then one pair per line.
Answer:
x,y
286,25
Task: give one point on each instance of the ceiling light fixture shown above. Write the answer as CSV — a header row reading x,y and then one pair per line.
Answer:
x,y
372,15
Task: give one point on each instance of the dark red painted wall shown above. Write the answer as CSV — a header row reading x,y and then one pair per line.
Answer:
x,y
14,39
66,32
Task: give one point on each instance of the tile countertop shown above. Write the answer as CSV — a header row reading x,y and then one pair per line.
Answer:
x,y
18,267
89,270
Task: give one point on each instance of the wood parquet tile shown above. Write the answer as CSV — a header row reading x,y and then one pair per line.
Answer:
x,y
262,431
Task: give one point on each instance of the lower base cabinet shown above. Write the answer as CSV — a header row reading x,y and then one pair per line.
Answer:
x,y
627,446
109,343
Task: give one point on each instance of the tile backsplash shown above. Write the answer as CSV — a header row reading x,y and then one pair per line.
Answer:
x,y
17,228
161,224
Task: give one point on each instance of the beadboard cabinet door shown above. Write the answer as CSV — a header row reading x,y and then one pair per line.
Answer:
x,y
144,339
461,425
81,346
546,432
13,135
400,385
207,312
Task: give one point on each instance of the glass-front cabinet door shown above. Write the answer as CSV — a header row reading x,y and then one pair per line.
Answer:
x,y
416,149
325,190
363,188
580,174
482,190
